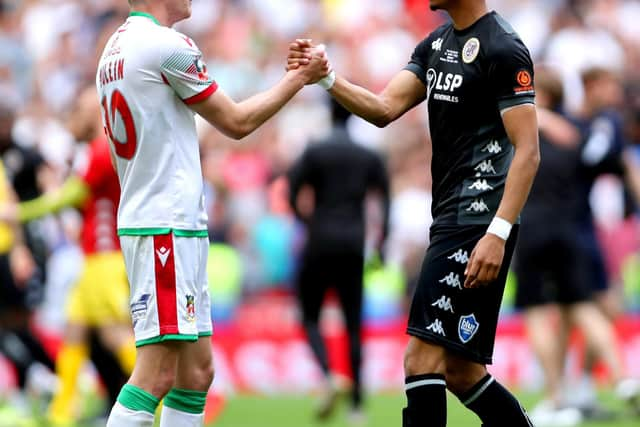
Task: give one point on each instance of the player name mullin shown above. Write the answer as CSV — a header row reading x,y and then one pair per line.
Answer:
x,y
112,71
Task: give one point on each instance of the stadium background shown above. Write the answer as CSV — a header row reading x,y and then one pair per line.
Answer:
x,y
48,52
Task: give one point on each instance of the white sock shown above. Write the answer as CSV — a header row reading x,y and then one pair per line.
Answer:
x,y
125,417
172,417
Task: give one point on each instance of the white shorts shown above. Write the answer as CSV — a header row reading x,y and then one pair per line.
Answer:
x,y
169,290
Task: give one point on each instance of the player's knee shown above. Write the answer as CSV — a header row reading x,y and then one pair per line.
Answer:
x,y
460,379
419,359
201,375
162,383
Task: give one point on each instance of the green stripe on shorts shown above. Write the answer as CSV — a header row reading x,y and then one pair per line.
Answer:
x,y
168,337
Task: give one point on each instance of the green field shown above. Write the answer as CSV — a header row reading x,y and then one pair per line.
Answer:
x,y
382,411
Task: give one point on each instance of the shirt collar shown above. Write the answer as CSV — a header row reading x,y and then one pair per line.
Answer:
x,y
145,15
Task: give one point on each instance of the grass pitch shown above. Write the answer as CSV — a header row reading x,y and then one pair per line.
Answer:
x,y
382,411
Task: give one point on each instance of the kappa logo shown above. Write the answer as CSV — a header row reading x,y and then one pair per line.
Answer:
x,y
443,303
437,44
436,328
477,206
467,327
486,166
480,185
460,256
163,254
452,280
493,147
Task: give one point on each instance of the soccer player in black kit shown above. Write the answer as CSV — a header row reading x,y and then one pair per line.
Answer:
x,y
477,78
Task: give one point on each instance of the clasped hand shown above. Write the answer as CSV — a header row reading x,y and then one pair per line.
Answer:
x,y
310,60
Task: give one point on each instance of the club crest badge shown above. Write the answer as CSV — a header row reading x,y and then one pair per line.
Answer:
x,y
467,327
191,309
470,50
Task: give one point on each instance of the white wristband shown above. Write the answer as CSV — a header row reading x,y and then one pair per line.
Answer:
x,y
500,227
328,81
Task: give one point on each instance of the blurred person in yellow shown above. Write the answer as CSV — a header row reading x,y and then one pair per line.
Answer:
x,y
99,301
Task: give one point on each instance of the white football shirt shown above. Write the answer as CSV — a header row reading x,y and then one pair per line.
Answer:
x,y
146,77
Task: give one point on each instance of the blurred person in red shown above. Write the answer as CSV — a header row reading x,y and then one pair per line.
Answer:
x,y
336,175
99,301
477,78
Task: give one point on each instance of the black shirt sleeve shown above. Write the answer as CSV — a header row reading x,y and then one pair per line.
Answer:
x,y
418,63
510,73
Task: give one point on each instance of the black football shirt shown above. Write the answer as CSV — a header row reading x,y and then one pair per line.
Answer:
x,y
470,77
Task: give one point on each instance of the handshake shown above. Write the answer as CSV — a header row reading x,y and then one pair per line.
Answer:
x,y
312,62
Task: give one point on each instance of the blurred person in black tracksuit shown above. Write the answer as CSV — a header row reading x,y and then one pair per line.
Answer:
x,y
340,174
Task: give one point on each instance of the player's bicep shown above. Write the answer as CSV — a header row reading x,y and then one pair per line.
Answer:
x,y
220,111
403,92
521,124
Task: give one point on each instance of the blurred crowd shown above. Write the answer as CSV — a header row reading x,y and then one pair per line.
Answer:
x,y
49,50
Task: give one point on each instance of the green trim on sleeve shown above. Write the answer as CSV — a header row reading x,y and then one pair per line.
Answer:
x,y
205,334
189,401
161,231
145,15
168,337
73,192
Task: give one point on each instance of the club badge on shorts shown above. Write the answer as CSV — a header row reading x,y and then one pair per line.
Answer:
x,y
467,327
191,309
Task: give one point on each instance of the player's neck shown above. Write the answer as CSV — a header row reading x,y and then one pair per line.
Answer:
x,y
465,13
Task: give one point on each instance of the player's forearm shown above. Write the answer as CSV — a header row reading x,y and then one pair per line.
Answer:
x,y
72,193
519,180
362,102
254,111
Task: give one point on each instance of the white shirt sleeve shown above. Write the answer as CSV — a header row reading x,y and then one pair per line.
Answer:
x,y
185,71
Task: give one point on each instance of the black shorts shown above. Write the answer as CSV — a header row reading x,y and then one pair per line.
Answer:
x,y
551,267
461,320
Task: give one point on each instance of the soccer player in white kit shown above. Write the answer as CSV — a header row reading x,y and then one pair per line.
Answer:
x,y
150,80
